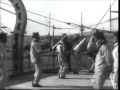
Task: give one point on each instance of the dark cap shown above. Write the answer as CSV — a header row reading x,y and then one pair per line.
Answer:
x,y
3,37
65,39
116,34
99,35
35,35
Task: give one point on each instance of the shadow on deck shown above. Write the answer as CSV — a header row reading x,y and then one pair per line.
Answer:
x,y
51,81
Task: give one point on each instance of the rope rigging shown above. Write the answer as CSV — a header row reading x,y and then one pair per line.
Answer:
x,y
68,23
6,28
37,21
42,15
102,17
48,25
27,18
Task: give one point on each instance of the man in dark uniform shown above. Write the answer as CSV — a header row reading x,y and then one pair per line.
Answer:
x,y
68,48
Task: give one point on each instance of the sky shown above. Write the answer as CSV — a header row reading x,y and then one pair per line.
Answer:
x,y
63,10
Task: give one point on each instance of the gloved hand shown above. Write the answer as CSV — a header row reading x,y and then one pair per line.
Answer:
x,y
72,51
50,49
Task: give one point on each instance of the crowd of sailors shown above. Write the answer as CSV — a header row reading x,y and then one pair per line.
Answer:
x,y
105,60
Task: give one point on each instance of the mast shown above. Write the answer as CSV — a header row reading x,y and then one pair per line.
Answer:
x,y
110,19
81,27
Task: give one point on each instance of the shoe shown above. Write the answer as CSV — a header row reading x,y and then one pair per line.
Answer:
x,y
58,77
36,85
91,71
75,72
62,77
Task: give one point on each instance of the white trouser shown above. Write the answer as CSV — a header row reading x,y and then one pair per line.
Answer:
x,y
114,80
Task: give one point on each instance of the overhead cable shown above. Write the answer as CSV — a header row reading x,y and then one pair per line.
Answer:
x,y
7,28
43,23
37,21
68,23
102,17
29,19
88,27
43,15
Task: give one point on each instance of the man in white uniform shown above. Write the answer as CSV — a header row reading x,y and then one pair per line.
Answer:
x,y
103,61
35,55
114,74
62,58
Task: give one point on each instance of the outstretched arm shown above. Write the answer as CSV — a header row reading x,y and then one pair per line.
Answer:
x,y
39,49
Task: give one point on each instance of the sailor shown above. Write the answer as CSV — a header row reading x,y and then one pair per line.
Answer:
x,y
35,55
62,58
103,61
68,49
3,61
76,56
91,52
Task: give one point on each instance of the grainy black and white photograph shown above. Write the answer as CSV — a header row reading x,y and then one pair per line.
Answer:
x,y
59,44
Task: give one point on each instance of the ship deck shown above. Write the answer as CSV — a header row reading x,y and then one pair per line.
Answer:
x,y
51,81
